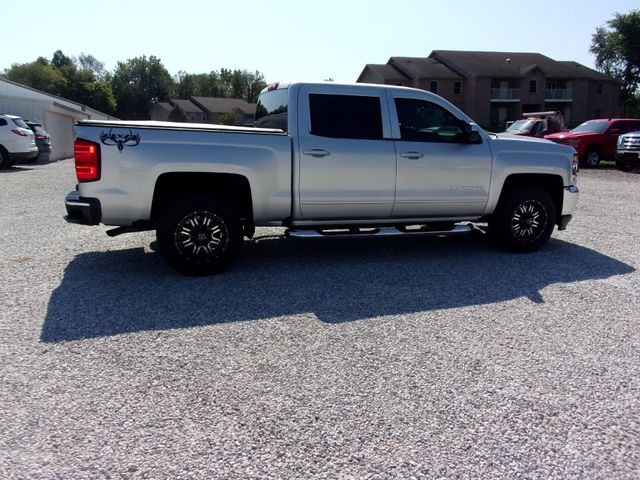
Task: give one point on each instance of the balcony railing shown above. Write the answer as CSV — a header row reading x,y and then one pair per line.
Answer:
x,y
505,94
558,94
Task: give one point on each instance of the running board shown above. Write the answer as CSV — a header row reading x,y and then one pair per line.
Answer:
x,y
378,232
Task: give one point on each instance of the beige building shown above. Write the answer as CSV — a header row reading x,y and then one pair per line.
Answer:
x,y
495,87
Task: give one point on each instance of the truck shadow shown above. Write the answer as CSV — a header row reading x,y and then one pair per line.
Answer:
x,y
118,292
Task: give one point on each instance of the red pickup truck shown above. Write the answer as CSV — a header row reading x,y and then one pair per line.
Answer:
x,y
596,139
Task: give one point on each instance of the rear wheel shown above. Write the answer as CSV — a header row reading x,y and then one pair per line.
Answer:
x,y
5,161
524,220
592,158
199,236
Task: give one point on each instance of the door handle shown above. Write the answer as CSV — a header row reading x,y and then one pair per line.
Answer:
x,y
316,152
412,155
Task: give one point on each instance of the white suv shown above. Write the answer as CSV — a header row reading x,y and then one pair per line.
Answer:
x,y
17,141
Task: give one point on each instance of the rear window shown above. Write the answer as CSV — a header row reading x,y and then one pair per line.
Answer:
x,y
20,123
39,129
345,116
271,110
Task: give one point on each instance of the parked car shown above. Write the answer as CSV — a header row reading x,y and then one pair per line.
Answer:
x,y
537,124
596,139
17,141
628,151
43,140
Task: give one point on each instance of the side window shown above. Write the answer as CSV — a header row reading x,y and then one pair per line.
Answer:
x,y
618,126
345,116
422,121
3,122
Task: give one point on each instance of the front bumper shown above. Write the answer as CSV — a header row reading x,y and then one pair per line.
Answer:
x,y
569,202
80,210
628,159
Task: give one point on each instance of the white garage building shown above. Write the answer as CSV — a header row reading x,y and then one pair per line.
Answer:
x,y
56,114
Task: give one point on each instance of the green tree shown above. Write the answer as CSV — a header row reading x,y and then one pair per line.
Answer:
x,y
40,75
137,83
177,115
617,51
229,118
89,62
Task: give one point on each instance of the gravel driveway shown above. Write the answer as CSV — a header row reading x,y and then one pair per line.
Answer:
x,y
385,358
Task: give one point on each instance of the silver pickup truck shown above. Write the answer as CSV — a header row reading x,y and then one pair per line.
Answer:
x,y
323,160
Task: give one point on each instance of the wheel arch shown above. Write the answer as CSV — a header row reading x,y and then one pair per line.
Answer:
x,y
552,184
229,188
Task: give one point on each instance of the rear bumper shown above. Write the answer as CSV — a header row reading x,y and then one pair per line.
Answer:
x,y
80,210
30,155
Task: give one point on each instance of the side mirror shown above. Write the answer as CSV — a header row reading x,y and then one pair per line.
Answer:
x,y
470,134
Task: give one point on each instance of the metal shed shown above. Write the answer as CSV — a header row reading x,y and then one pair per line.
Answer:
x,y
57,114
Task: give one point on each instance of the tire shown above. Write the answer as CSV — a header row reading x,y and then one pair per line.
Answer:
x,y
591,158
524,220
623,167
199,236
5,162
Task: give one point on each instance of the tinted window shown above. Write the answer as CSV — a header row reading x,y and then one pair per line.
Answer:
x,y
3,122
424,121
20,122
345,116
271,110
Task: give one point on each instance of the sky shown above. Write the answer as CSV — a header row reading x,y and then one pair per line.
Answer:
x,y
297,40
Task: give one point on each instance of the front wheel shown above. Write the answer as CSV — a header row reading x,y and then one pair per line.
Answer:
x,y
524,220
199,236
591,158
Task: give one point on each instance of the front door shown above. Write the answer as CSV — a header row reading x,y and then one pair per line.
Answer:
x,y
439,173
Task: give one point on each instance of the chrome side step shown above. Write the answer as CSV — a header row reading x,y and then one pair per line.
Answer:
x,y
378,232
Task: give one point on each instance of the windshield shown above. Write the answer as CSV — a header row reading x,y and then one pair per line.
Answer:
x,y
521,126
592,127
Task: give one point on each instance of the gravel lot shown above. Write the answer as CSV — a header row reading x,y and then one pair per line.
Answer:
x,y
388,358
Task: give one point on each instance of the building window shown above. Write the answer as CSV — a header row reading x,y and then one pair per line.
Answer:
x,y
533,86
457,88
433,86
599,88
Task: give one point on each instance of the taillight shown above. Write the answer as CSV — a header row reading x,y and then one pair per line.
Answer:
x,y
87,157
22,133
39,136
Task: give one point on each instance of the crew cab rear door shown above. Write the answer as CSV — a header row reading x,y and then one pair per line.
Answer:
x,y
345,156
439,172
